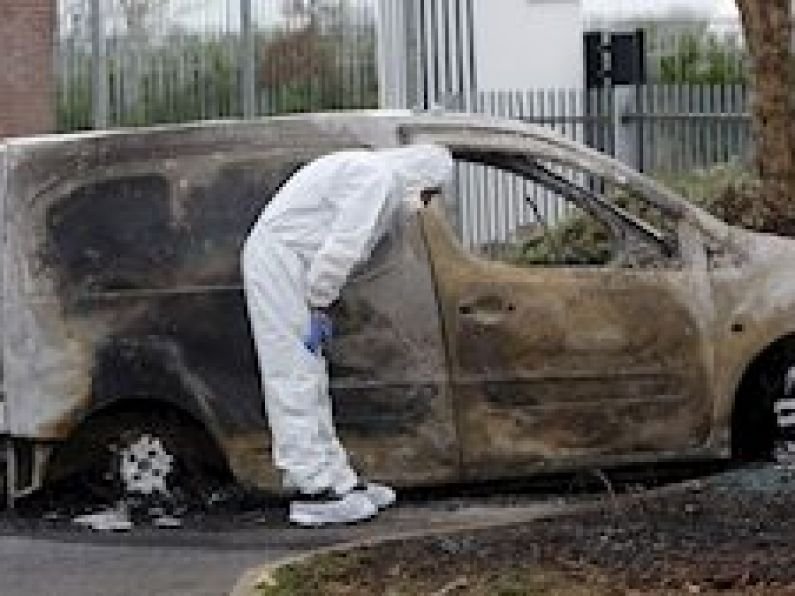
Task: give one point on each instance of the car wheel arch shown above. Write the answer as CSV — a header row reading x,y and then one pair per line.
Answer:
x,y
752,420
121,409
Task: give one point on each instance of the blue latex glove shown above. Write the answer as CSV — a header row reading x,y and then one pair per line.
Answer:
x,y
321,329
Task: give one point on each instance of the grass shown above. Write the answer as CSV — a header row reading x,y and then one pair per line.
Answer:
x,y
358,572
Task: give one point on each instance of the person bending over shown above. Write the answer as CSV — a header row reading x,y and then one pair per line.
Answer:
x,y
325,220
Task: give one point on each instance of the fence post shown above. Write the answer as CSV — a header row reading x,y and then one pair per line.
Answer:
x,y
248,79
99,67
625,102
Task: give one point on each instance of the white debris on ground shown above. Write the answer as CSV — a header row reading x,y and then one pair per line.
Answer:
x,y
119,518
167,522
116,519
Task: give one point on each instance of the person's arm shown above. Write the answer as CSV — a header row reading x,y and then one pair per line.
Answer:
x,y
361,197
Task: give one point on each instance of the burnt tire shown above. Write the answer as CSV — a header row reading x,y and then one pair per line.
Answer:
x,y
756,430
93,457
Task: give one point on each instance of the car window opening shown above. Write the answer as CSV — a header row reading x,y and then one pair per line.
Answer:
x,y
589,201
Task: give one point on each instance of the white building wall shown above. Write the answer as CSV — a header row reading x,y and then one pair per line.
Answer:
x,y
529,44
445,51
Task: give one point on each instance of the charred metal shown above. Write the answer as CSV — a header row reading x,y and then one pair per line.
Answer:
x,y
122,287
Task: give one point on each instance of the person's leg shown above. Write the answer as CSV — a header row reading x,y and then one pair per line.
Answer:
x,y
336,456
272,278
380,496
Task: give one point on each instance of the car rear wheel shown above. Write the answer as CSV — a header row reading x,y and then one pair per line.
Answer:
x,y
147,456
763,424
784,408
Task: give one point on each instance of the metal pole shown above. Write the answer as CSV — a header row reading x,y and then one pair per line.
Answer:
x,y
11,473
248,82
99,67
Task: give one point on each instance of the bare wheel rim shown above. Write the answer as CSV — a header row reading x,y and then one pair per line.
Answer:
x,y
146,466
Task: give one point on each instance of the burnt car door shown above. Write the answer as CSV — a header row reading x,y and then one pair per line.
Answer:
x,y
392,400
576,330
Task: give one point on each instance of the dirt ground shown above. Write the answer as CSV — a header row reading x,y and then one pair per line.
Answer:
x,y
732,533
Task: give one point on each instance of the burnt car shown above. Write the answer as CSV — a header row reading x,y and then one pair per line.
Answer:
x,y
616,323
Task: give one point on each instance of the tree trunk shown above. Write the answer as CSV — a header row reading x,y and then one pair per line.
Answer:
x,y
767,27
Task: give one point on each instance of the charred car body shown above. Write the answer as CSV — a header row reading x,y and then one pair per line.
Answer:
x,y
124,322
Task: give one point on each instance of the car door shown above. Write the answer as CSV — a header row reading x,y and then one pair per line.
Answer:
x,y
389,383
563,351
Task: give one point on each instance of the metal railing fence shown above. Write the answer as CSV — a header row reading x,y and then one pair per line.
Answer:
x,y
658,129
137,62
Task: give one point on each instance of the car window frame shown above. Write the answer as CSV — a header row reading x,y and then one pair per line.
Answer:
x,y
622,224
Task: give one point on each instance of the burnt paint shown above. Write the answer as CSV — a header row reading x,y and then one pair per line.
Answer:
x,y
112,235
551,364
198,346
126,234
165,283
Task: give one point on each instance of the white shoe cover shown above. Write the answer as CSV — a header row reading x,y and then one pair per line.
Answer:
x,y
350,508
380,495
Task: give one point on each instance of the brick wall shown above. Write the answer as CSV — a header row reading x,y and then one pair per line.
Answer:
x,y
26,67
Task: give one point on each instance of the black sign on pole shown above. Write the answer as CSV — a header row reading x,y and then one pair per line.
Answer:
x,y
594,61
615,59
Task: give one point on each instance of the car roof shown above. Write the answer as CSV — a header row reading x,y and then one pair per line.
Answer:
x,y
376,128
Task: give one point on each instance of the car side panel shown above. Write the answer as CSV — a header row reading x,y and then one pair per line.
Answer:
x,y
554,367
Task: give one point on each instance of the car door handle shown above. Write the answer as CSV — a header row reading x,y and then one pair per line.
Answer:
x,y
485,307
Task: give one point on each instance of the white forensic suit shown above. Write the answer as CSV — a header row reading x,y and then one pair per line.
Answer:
x,y
325,220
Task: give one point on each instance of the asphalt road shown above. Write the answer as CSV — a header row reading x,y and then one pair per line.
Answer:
x,y
58,561
47,567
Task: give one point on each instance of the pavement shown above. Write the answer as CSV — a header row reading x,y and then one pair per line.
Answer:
x,y
147,561
47,567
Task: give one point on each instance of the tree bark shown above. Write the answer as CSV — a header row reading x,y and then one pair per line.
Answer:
x,y
768,28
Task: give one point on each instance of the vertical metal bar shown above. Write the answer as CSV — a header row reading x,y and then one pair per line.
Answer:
x,y
99,67
480,181
502,188
354,56
423,59
736,108
717,124
674,97
702,124
460,57
685,146
11,472
492,176
661,139
248,83
650,127
433,43
472,66
514,110
640,113
448,64
611,110
522,181
747,141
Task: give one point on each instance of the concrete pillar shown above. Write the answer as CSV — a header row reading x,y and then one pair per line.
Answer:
x,y
27,78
